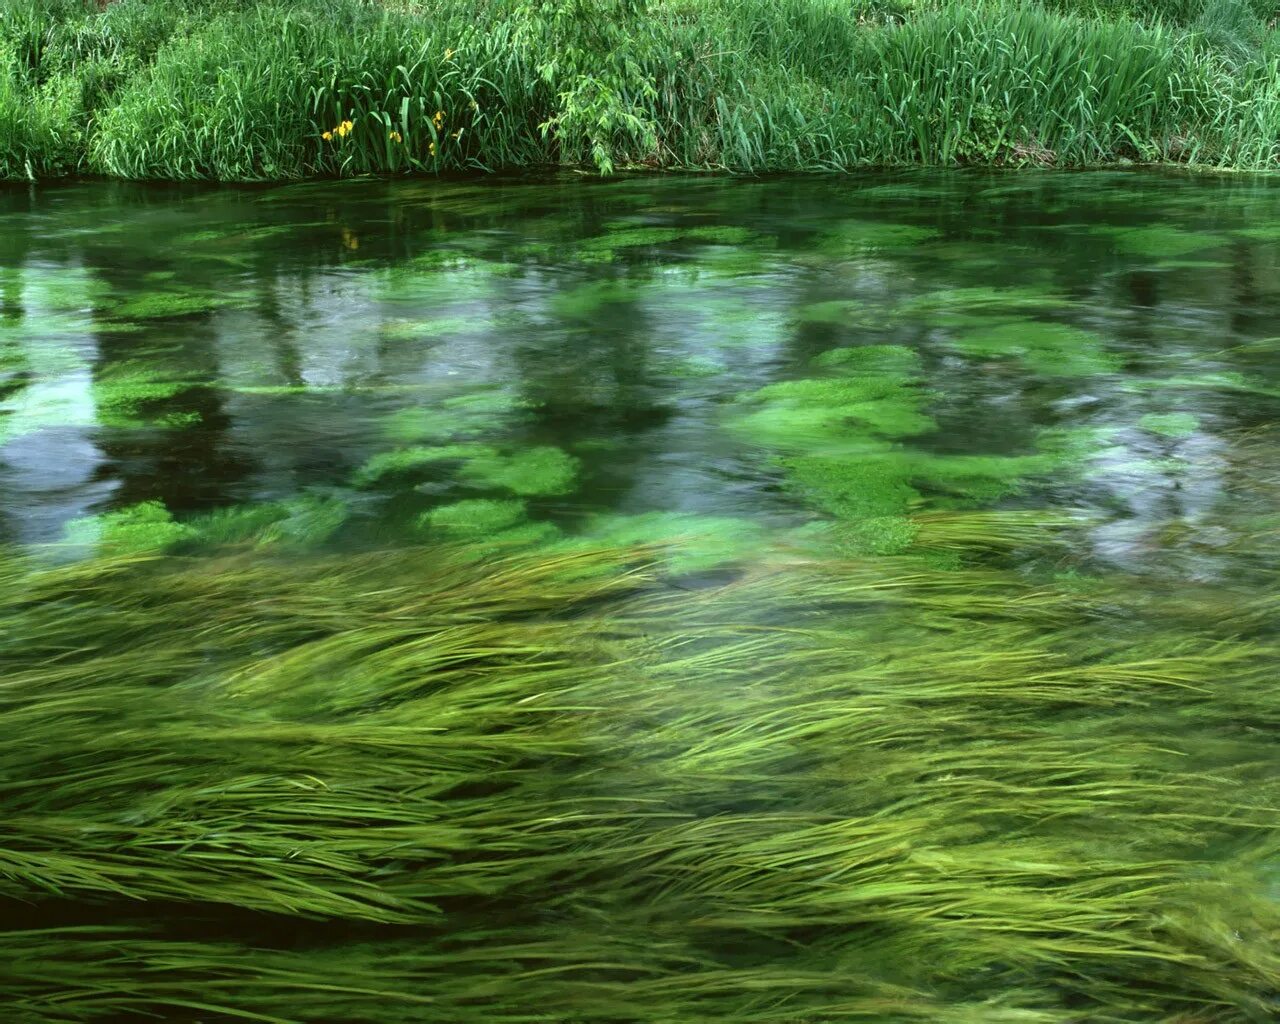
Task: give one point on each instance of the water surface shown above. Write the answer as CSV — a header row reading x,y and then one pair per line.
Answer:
x,y
207,348
653,600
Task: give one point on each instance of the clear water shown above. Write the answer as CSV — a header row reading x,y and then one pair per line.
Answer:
x,y
1002,446
209,348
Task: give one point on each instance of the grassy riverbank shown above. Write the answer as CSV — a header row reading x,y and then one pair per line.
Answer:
x,y
233,90
417,785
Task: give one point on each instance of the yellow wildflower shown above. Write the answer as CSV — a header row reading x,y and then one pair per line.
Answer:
x,y
458,134
432,149
448,54
327,136
394,136
438,118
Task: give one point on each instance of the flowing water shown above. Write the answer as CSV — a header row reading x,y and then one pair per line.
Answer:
x,y
611,345
1042,405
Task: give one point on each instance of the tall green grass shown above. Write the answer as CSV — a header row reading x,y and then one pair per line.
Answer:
x,y
175,89
421,785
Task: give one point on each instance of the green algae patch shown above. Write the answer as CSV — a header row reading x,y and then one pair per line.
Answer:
x,y
158,305
456,417
586,301
473,518
873,483
403,461
1170,424
816,410
895,361
145,527
980,299
857,238
124,393
1160,241
605,246
875,535
833,311
1046,349
533,471
400,329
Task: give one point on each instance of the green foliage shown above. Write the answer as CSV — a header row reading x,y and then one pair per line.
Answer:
x,y
41,129
189,89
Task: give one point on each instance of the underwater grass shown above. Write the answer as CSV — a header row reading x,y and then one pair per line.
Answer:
x,y
291,89
442,784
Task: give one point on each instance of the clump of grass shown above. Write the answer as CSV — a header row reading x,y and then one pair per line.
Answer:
x,y
290,89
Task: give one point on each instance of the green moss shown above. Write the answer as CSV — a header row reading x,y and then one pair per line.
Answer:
x,y
605,245
308,521
543,470
475,517
237,524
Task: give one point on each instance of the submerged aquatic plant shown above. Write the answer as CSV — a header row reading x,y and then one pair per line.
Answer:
x,y
813,788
